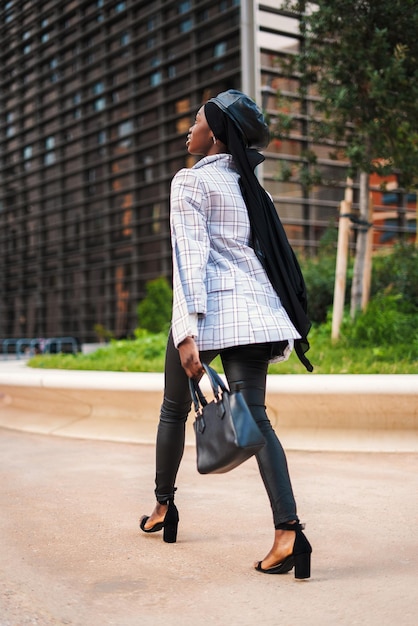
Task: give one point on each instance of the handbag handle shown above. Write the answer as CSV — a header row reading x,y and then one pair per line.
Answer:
x,y
216,383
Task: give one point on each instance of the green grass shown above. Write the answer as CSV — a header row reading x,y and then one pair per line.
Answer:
x,y
146,354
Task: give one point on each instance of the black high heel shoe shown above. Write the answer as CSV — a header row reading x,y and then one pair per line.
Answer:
x,y
169,525
300,558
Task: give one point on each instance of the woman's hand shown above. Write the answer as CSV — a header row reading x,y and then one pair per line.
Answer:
x,y
190,359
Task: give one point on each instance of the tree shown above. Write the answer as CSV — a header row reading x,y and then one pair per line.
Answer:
x,y
361,56
154,311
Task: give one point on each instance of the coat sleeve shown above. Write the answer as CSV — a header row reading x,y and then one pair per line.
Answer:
x,y
190,243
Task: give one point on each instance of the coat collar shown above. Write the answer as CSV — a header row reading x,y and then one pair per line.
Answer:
x,y
222,159
226,160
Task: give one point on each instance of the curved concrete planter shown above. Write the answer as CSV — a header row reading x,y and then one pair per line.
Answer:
x,y
314,412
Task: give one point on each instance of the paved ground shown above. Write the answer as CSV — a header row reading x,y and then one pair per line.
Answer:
x,y
71,551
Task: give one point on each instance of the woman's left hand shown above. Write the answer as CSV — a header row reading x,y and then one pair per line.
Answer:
x,y
190,359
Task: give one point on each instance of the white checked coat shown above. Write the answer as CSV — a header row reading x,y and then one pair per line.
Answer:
x,y
218,280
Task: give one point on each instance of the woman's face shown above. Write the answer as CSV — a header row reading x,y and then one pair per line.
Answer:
x,y
200,138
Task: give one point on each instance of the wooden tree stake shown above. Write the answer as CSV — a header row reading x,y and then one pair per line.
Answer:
x,y
344,228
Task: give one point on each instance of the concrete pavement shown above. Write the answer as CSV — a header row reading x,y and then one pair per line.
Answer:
x,y
72,553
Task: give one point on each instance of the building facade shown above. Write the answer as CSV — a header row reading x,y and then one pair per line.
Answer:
x,y
96,100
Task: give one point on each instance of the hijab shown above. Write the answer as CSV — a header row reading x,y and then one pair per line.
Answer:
x,y
269,239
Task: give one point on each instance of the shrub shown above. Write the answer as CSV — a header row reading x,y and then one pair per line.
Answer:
x,y
154,311
319,278
319,275
103,333
399,271
383,323
394,272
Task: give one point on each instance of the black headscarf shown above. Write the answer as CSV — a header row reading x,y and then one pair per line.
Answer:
x,y
269,239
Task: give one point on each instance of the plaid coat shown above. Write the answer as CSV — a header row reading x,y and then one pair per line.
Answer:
x,y
217,278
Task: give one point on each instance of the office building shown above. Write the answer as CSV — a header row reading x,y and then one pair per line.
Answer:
x,y
96,100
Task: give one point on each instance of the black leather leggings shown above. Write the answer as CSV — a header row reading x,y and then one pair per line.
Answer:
x,y
243,363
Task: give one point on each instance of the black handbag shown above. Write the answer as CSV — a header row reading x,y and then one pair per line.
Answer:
x,y
226,432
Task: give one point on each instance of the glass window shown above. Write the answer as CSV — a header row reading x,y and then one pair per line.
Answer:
x,y
148,170
185,6
152,22
27,152
124,39
125,128
9,17
156,218
186,25
183,106
49,158
156,78
98,88
220,49
183,125
99,104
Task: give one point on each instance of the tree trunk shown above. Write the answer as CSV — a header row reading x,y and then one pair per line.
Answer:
x,y
367,274
344,228
361,246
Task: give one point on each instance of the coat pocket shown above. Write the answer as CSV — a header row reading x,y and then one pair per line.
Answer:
x,y
220,283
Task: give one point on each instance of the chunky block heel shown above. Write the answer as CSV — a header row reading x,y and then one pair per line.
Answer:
x,y
302,565
171,522
168,526
300,558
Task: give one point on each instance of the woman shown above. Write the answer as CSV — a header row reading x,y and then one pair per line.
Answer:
x,y
238,292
